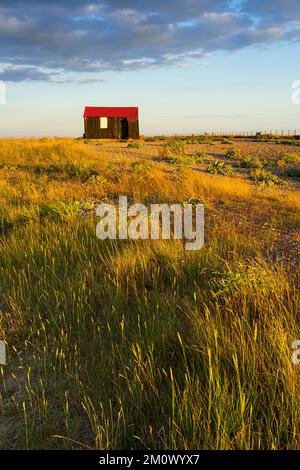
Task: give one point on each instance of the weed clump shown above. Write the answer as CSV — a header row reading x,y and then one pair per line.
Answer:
x,y
195,159
233,154
265,178
251,163
199,157
289,158
219,168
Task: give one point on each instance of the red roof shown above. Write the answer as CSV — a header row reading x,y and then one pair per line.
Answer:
x,y
132,114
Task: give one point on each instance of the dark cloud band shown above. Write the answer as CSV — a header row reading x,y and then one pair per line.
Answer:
x,y
42,38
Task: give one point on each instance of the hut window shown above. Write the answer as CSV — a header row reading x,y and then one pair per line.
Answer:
x,y
103,123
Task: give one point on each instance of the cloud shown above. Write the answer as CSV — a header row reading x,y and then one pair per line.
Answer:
x,y
15,73
24,73
280,9
80,81
89,37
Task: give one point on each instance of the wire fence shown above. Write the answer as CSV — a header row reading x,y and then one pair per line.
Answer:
x,y
276,132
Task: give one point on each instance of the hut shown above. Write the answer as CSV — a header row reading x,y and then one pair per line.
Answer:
x,y
111,123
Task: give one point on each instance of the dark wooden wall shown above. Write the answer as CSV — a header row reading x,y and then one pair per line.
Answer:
x,y
133,129
92,129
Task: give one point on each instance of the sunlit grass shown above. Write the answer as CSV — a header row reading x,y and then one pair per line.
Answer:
x,y
122,344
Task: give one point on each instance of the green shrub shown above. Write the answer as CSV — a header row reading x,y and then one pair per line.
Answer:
x,y
69,169
186,159
197,140
263,177
289,158
78,170
288,142
181,160
172,148
142,169
266,138
96,179
203,140
250,162
200,156
65,209
233,154
219,168
190,140
269,163
175,147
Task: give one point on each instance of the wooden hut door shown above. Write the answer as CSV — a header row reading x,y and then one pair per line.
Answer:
x,y
124,128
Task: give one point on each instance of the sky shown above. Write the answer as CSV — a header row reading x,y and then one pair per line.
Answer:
x,y
191,66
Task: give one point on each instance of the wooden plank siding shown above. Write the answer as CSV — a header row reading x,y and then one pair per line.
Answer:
x,y
92,129
133,129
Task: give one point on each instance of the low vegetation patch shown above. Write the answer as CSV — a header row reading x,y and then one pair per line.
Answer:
x,y
292,142
250,162
265,178
219,168
184,160
199,157
233,154
289,158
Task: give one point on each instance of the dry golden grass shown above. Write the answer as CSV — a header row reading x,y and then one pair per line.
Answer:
x,y
123,344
